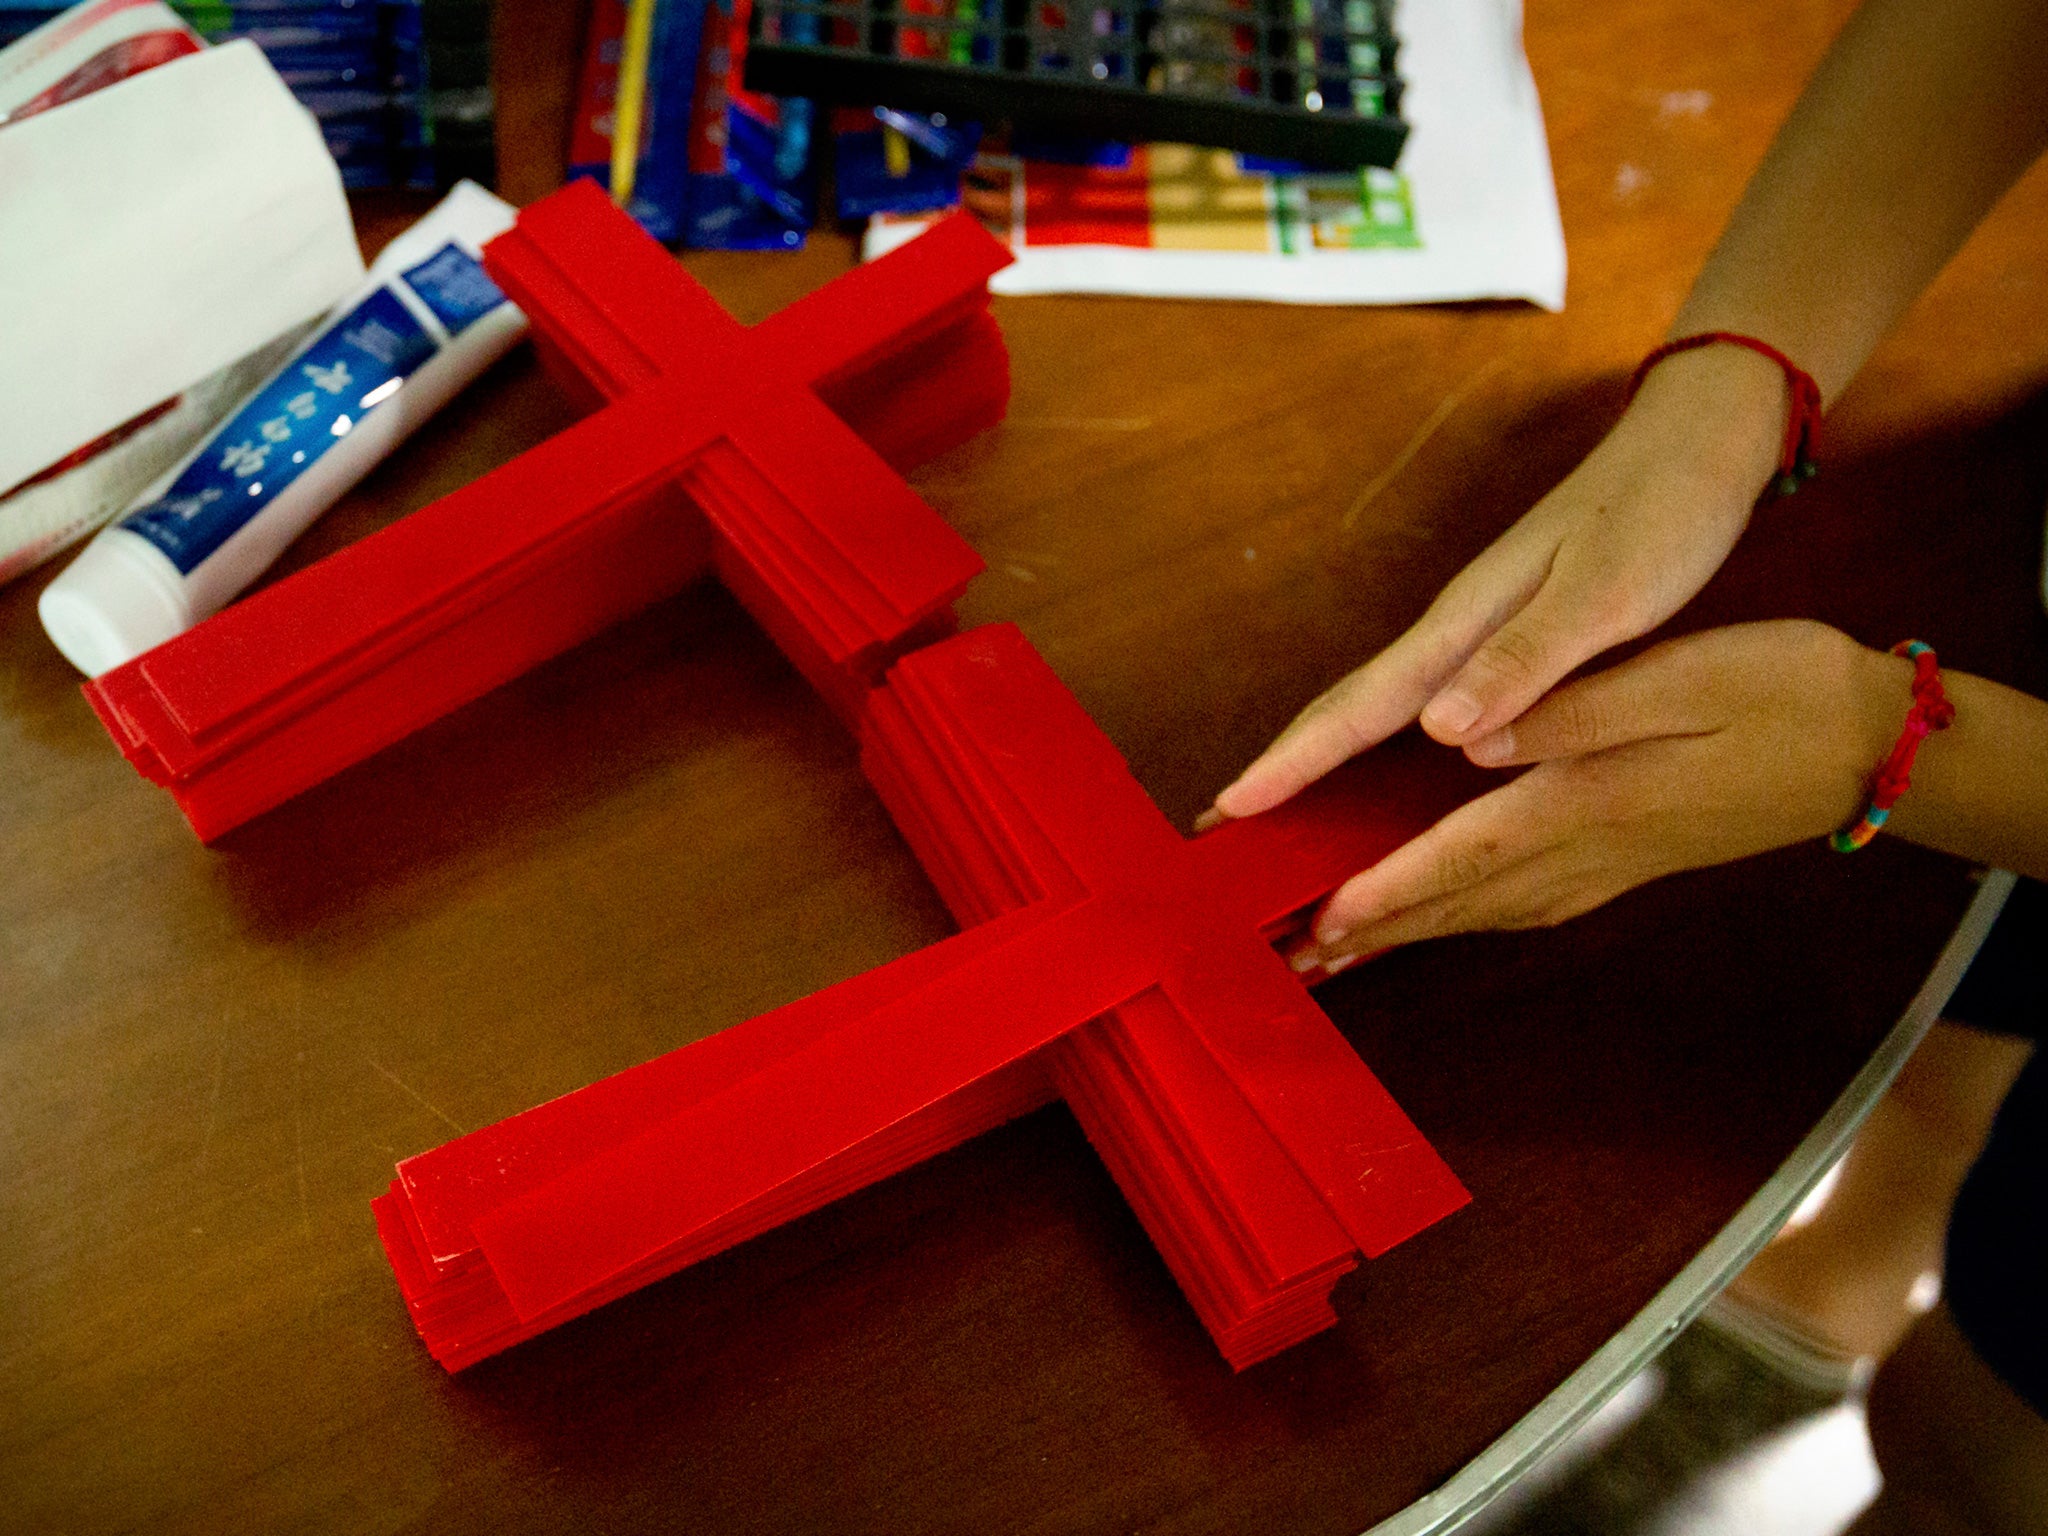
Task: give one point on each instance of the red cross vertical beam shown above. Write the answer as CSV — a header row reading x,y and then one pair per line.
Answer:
x,y
510,1230
713,444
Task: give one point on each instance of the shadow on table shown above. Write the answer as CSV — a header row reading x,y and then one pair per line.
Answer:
x,y
681,699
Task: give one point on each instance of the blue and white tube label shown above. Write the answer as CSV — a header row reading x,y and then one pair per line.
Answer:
x,y
455,287
352,367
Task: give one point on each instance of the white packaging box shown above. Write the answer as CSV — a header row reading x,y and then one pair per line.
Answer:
x,y
151,234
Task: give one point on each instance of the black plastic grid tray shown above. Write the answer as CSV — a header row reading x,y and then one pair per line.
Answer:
x,y
1307,80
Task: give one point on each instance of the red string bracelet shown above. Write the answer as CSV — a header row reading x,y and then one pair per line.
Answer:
x,y
1802,420
1931,711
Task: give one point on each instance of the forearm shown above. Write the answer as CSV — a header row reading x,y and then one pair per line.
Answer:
x,y
1915,124
1919,119
1980,788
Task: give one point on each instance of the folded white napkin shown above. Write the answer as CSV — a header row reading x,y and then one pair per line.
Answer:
x,y
152,234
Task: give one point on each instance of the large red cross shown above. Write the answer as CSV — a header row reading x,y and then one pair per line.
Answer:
x,y
1130,965
783,436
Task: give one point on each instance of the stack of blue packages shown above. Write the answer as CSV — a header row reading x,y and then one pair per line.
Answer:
x,y
718,169
358,66
660,196
724,168
362,68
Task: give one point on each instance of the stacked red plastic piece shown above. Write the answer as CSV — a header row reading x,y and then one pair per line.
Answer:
x,y
770,452
1111,960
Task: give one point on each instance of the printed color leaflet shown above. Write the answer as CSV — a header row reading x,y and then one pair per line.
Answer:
x,y
1471,212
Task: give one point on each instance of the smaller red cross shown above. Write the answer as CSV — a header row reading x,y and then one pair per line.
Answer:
x,y
758,429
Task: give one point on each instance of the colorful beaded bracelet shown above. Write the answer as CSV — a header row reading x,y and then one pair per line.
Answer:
x,y
1931,711
1802,418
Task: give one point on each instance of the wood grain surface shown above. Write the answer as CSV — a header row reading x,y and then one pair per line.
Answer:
x,y
1202,514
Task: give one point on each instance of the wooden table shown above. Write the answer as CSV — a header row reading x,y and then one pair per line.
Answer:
x,y
210,1059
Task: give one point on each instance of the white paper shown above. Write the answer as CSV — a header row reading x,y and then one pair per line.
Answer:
x,y
1476,167
151,234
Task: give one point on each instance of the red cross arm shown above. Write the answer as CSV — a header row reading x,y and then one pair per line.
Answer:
x,y
463,1315
604,295
1026,749
1285,861
428,1218
902,349
977,845
619,1183
937,283
454,1186
1253,1247
725,1153
1364,1157
553,541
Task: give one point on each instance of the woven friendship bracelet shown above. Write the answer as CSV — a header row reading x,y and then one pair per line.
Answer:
x,y
1802,418
1931,711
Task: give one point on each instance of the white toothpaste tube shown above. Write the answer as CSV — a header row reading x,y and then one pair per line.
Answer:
x,y
426,321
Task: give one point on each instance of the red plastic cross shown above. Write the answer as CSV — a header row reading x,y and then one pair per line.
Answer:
x,y
760,429
1258,1148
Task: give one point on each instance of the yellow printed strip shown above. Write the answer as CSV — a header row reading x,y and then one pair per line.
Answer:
x,y
631,102
895,152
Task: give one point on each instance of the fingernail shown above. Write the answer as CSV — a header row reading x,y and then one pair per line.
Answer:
x,y
1494,747
1450,713
1212,817
1337,963
1306,958
1329,935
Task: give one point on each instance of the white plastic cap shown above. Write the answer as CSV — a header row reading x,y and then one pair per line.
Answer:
x,y
119,598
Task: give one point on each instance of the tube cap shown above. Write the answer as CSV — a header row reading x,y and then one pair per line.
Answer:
x,y
119,598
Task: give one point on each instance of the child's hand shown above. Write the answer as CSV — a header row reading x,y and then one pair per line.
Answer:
x,y
1615,550
1699,751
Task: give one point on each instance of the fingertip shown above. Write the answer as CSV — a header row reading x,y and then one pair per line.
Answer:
x,y
1258,788
1344,912
1232,803
1451,714
1315,965
1493,750
1333,728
